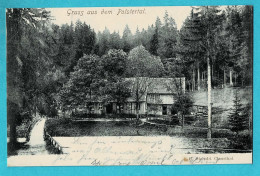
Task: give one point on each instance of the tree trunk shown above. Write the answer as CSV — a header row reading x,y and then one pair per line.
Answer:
x,y
235,78
224,79
137,111
198,77
13,131
230,77
209,84
204,79
209,99
146,108
193,80
35,105
212,75
182,120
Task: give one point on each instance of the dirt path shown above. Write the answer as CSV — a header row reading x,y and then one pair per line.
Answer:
x,y
36,137
36,145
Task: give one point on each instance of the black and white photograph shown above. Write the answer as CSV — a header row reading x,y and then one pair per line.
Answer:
x,y
102,86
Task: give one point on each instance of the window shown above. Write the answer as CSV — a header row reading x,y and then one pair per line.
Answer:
x,y
154,98
133,106
128,107
100,107
91,107
164,110
121,108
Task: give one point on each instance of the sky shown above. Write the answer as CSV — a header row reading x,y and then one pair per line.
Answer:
x,y
115,18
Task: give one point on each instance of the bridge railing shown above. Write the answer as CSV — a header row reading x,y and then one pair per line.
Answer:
x,y
52,141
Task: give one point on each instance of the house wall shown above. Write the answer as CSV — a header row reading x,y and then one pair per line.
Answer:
x,y
159,110
130,108
114,107
142,108
167,99
160,99
97,109
169,107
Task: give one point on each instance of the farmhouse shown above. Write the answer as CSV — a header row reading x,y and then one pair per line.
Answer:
x,y
151,95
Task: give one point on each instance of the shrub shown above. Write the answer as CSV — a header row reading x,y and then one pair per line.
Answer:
x,y
182,104
242,140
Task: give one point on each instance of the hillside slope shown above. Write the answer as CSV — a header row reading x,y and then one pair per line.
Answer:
x,y
222,100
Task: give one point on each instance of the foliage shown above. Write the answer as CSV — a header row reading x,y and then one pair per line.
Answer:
x,y
182,104
114,63
104,42
229,42
155,107
154,43
27,61
141,63
168,38
127,39
118,91
85,83
239,118
117,88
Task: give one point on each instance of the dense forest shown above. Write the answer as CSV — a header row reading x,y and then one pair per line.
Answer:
x,y
51,66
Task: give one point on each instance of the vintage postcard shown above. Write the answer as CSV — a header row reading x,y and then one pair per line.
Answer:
x,y
103,86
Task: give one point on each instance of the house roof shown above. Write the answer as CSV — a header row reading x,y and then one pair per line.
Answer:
x,y
158,85
165,85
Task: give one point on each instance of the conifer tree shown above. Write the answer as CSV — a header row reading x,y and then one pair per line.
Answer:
x,y
154,42
210,18
238,119
167,38
127,39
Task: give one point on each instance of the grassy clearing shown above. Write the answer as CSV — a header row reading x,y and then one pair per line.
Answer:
x,y
222,100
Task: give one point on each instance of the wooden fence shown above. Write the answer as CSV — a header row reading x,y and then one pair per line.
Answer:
x,y
52,142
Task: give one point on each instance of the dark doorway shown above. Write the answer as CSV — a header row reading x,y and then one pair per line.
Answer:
x,y
164,110
109,108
